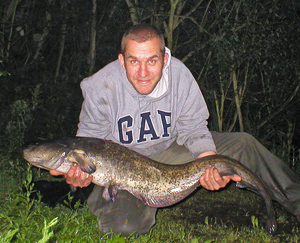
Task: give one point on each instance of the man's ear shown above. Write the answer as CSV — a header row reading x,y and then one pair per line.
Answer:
x,y
166,57
121,60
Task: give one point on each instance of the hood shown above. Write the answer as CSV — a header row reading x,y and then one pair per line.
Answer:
x,y
162,87
163,84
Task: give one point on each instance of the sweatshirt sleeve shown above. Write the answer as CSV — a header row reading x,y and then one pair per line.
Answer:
x,y
93,119
191,124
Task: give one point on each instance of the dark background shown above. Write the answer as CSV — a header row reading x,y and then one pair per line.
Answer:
x,y
244,55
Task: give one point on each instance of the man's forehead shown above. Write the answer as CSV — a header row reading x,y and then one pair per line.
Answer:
x,y
143,55
152,45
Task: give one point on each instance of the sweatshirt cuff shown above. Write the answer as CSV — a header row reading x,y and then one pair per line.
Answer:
x,y
205,145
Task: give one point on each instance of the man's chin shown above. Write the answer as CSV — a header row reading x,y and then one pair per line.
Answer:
x,y
144,90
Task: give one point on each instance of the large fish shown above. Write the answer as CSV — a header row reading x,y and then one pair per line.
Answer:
x,y
116,167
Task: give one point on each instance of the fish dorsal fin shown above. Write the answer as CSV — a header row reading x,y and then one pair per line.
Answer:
x,y
80,157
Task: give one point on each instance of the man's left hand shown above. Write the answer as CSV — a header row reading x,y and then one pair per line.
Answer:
x,y
211,179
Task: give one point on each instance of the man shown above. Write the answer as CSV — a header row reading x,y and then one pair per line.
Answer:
x,y
149,101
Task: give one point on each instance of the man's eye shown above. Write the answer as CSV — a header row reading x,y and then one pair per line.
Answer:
x,y
152,62
133,61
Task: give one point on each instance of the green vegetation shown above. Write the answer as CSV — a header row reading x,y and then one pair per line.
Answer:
x,y
231,215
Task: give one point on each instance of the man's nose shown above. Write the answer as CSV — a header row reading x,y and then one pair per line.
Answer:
x,y
143,70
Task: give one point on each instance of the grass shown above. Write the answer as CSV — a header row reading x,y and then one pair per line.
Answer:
x,y
230,215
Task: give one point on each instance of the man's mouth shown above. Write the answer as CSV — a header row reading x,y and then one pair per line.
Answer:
x,y
141,81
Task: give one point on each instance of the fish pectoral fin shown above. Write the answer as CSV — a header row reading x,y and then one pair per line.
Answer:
x,y
82,159
109,193
105,194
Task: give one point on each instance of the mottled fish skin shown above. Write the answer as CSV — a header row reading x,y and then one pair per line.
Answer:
x,y
116,167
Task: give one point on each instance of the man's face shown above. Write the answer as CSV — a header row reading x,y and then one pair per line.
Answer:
x,y
143,63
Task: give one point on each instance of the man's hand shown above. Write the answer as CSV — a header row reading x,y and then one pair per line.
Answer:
x,y
75,176
211,179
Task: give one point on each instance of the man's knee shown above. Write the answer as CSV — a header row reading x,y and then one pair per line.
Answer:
x,y
126,214
235,144
246,139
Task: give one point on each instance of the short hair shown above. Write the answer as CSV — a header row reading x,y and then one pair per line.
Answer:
x,y
142,33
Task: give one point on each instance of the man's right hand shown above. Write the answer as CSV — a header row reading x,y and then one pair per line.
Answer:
x,y
75,176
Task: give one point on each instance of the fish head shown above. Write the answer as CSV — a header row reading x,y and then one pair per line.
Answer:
x,y
52,154
47,154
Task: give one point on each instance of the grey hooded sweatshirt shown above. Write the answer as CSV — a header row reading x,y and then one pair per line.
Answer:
x,y
174,111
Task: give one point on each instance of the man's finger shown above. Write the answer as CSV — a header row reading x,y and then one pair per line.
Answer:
x,y
234,177
72,170
55,173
